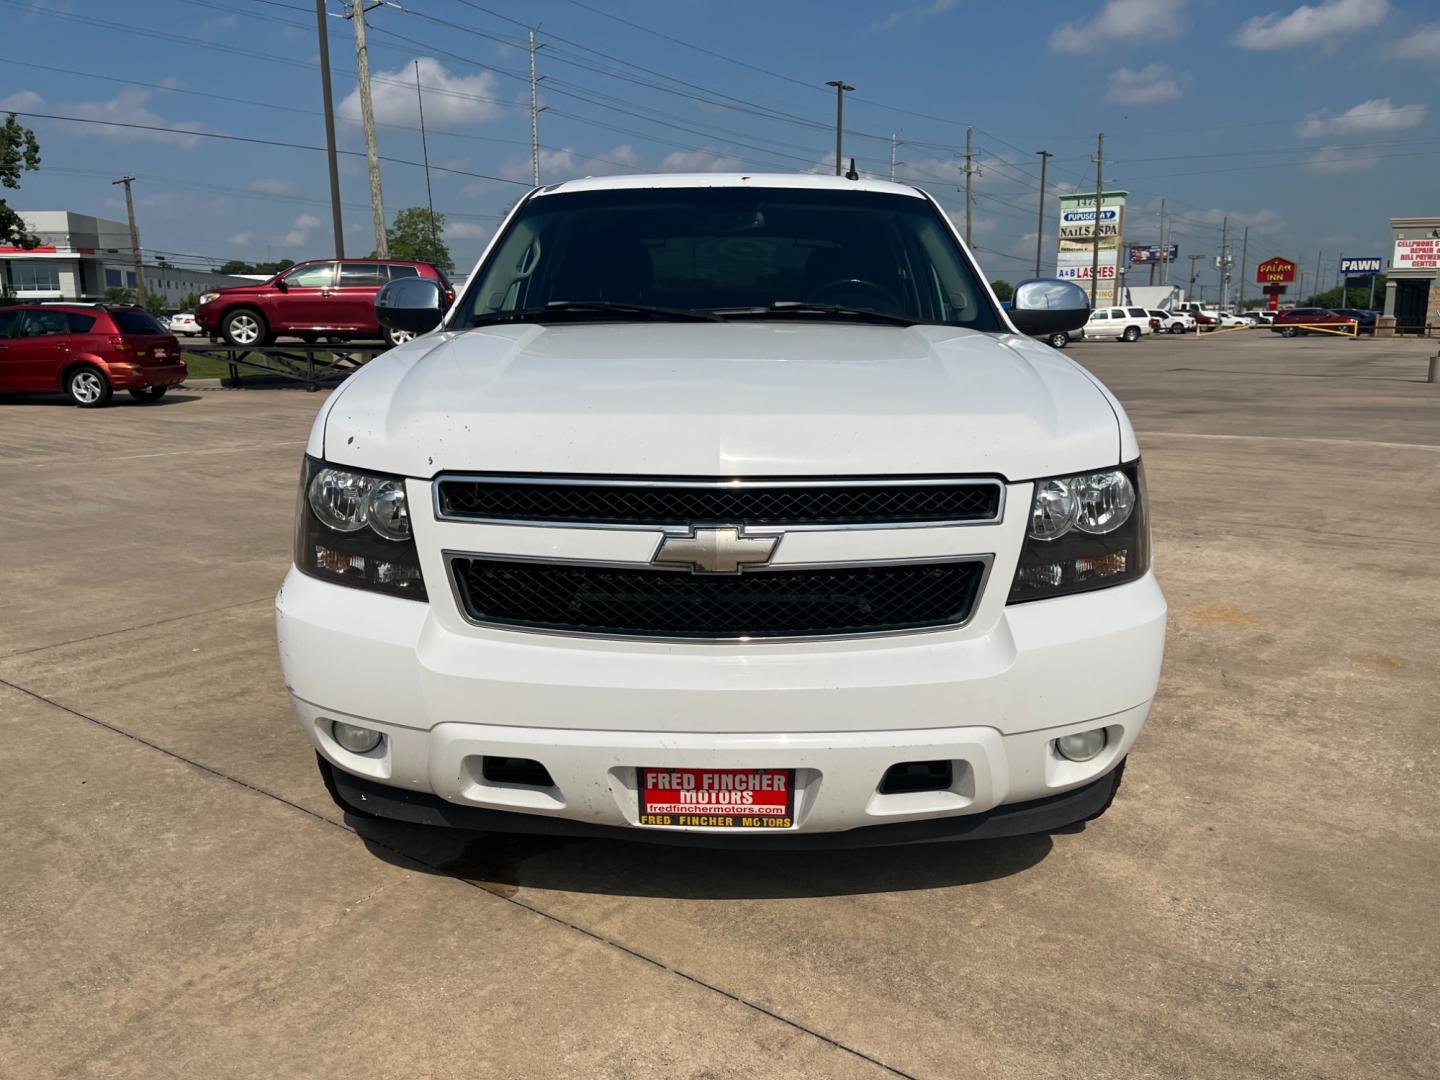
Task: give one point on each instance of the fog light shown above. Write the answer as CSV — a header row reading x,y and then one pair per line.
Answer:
x,y
357,740
1082,746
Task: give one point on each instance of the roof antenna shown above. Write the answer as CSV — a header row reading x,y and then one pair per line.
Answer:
x,y
852,174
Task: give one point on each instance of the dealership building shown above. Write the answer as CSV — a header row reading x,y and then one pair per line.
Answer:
x,y
1412,293
80,256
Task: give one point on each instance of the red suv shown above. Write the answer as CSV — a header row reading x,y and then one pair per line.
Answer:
x,y
1294,322
315,299
87,350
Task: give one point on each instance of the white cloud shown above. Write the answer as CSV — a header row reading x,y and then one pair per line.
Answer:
x,y
896,17
1144,20
127,107
565,164
1261,222
469,230
300,231
268,186
1331,160
240,239
704,160
449,99
1422,44
1151,85
1324,24
1378,114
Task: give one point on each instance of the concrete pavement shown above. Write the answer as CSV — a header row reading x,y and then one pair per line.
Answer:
x,y
181,898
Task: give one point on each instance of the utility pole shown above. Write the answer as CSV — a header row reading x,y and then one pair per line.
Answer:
x,y
535,111
425,150
970,172
1223,263
1244,256
1095,229
1193,260
841,87
134,240
1319,255
367,118
1164,248
329,100
1045,157
894,142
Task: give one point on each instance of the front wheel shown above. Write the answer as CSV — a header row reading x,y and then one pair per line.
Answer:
x,y
1131,334
88,387
1058,341
397,337
244,327
1176,328
148,395
1289,331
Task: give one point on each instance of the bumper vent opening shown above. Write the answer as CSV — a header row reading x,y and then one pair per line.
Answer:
x,y
908,776
515,770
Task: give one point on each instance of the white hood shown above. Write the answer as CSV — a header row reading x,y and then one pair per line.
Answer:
x,y
722,399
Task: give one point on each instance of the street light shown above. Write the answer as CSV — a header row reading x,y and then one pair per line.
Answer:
x,y
840,88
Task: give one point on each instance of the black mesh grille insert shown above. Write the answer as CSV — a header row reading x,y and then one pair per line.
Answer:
x,y
837,503
772,603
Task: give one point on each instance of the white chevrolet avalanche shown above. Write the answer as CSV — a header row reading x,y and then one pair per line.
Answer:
x,y
726,510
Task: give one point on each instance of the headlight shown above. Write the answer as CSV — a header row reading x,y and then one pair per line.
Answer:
x,y
1087,531
209,296
353,528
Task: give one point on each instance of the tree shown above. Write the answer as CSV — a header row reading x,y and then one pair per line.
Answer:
x,y
118,296
155,301
19,153
1003,290
188,301
418,234
238,266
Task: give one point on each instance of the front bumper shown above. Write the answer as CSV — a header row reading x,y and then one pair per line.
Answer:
x,y
991,701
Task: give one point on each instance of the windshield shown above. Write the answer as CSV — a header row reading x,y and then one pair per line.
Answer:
x,y
738,253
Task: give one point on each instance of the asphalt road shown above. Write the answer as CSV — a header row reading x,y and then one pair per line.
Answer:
x,y
180,897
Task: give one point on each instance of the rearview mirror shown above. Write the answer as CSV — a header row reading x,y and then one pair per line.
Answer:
x,y
1043,306
412,303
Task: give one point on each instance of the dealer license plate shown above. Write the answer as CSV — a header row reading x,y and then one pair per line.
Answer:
x,y
718,798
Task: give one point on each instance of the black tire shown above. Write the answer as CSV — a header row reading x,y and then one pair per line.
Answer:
x,y
1131,334
88,387
1176,328
1058,341
309,339
1289,331
245,327
149,395
400,337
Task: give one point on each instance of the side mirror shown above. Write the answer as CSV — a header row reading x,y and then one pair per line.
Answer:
x,y
282,284
1043,306
411,303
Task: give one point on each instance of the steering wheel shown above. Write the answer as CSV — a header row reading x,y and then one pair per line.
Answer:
x,y
856,285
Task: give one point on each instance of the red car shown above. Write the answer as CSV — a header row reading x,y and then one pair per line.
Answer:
x,y
320,298
88,351
1293,323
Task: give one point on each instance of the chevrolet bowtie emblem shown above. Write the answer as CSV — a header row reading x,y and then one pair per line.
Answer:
x,y
721,550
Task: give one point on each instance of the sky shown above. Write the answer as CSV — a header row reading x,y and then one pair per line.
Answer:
x,y
1310,124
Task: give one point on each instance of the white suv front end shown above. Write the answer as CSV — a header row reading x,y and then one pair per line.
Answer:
x,y
817,577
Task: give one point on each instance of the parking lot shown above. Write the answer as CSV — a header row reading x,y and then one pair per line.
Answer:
x,y
182,898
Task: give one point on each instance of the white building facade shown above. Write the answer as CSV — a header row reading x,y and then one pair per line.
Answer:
x,y
80,256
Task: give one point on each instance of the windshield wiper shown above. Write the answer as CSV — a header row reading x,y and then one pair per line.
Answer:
x,y
805,308
582,308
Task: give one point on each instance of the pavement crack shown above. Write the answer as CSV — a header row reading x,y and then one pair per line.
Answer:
x,y
550,917
137,626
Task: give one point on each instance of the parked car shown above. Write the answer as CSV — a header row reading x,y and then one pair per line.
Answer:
x,y
87,351
1215,318
720,623
1172,322
1257,317
1122,324
310,300
1296,321
184,322
1365,320
1058,339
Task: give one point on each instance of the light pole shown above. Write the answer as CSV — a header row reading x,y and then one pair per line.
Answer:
x,y
1045,157
840,88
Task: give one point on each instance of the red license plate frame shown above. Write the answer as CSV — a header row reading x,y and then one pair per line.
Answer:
x,y
755,799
